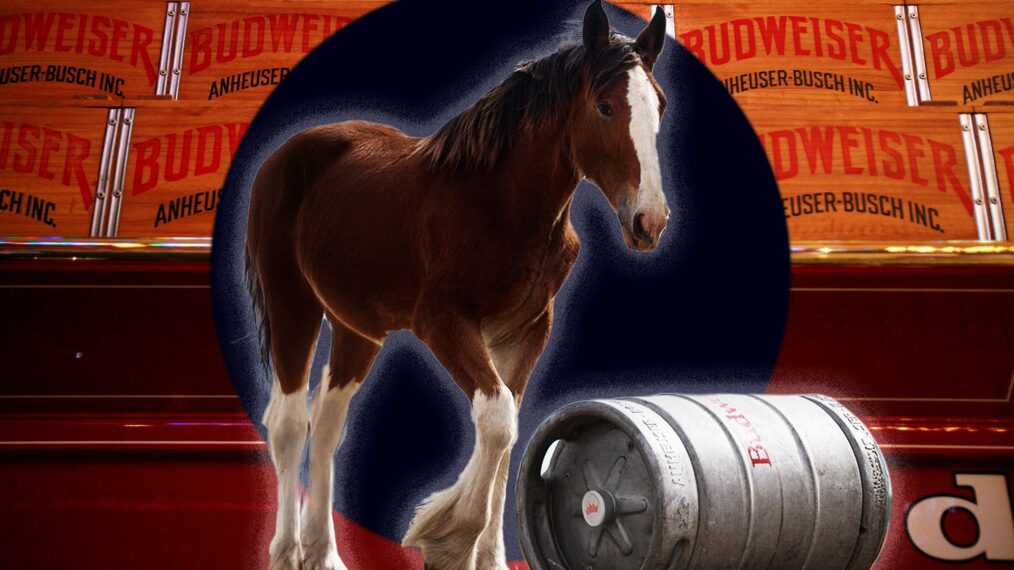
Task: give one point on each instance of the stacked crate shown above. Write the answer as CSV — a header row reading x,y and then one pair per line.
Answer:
x,y
882,121
120,119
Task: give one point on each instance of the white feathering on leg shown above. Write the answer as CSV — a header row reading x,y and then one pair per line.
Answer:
x,y
329,411
447,525
490,551
286,420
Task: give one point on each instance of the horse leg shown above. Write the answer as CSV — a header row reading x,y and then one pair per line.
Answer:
x,y
351,357
447,525
294,316
514,361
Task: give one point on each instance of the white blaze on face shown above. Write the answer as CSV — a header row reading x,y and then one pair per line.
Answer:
x,y
644,121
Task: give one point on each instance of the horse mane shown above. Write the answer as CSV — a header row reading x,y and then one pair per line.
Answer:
x,y
537,94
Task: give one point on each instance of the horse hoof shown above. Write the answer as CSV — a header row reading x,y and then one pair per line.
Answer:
x,y
434,559
428,566
491,565
288,558
323,559
490,557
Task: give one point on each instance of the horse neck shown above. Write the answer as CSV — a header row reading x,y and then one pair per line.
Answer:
x,y
539,177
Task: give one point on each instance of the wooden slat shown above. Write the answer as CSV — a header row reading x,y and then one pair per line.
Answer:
x,y
876,175
972,5
241,50
969,51
1001,128
797,52
49,165
100,48
179,156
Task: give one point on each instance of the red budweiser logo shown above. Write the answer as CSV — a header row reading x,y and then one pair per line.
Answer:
x,y
46,153
591,509
192,152
959,46
95,35
254,35
817,150
793,36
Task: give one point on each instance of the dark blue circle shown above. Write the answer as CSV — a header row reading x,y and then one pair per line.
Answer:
x,y
704,313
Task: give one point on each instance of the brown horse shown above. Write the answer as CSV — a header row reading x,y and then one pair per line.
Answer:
x,y
464,238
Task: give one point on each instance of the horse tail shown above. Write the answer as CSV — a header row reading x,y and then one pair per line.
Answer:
x,y
253,285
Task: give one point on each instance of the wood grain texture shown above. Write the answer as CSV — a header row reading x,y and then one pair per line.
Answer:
x,y
49,165
969,51
179,156
241,50
877,175
98,49
1001,129
180,151
846,54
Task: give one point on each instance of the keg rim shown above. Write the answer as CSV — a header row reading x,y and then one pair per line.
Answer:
x,y
876,514
566,420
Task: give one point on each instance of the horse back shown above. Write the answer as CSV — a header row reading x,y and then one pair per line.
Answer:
x,y
338,201
283,181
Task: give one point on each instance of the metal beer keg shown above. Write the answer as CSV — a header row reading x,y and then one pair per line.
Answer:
x,y
705,481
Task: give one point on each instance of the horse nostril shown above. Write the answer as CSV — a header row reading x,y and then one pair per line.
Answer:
x,y
638,224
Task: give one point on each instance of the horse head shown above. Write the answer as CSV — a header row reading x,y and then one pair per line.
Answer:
x,y
616,121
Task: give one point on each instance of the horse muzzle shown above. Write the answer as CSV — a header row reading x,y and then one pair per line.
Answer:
x,y
643,228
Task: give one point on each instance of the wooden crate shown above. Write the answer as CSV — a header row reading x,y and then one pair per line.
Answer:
x,y
877,175
1001,128
969,50
796,52
49,167
239,50
97,49
179,155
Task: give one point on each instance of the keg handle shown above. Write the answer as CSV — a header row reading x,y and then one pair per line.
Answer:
x,y
551,459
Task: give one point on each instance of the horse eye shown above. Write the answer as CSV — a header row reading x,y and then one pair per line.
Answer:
x,y
605,110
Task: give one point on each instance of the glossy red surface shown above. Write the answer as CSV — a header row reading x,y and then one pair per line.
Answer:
x,y
926,355
123,446
165,509
93,328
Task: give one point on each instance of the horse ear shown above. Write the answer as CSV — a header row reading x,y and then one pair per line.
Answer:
x,y
652,38
596,27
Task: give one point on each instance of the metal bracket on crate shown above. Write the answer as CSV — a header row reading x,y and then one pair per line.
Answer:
x,y
174,36
975,176
904,44
112,172
989,219
918,55
102,187
989,179
913,55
